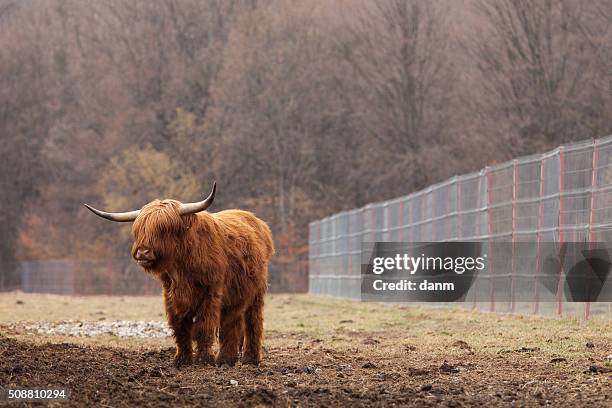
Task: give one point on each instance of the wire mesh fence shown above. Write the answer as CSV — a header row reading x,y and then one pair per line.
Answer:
x,y
121,277
79,277
564,195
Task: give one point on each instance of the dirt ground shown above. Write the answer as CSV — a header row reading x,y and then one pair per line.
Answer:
x,y
319,352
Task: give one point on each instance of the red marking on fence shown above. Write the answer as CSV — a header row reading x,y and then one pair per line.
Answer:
x,y
400,232
536,306
447,220
512,277
411,219
594,166
318,261
490,229
478,215
561,234
459,212
349,251
422,225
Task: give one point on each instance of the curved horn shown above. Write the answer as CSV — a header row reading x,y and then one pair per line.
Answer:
x,y
192,208
119,217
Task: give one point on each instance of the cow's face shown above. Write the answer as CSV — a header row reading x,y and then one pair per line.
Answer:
x,y
159,233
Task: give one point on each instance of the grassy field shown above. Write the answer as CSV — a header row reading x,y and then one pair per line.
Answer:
x,y
335,352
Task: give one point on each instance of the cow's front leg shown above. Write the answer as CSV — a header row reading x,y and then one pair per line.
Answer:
x,y
181,326
230,336
206,326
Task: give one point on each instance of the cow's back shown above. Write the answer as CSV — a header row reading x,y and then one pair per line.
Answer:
x,y
248,247
244,230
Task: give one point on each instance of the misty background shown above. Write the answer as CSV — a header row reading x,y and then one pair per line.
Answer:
x,y
298,109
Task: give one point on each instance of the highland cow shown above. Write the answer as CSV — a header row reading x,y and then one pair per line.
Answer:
x,y
213,270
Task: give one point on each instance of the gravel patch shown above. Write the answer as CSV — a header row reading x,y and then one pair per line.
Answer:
x,y
85,328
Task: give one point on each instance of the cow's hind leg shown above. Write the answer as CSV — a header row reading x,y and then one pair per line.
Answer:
x,y
253,320
230,336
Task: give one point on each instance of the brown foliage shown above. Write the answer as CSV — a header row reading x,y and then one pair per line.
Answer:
x,y
299,109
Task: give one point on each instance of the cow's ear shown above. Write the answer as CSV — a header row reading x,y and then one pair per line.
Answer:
x,y
188,221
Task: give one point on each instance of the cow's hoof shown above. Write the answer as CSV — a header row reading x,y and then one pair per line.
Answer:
x,y
251,360
205,359
227,359
182,360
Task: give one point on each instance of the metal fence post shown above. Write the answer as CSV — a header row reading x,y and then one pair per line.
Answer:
x,y
594,167
536,306
512,278
560,228
459,212
411,219
490,232
400,231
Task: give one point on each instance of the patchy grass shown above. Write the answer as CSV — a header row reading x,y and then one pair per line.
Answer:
x,y
19,306
399,354
335,321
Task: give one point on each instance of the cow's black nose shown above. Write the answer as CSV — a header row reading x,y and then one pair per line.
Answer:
x,y
144,253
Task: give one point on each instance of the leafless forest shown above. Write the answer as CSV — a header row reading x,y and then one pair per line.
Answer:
x,y
297,108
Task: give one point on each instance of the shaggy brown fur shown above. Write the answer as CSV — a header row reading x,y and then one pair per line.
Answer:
x,y
213,268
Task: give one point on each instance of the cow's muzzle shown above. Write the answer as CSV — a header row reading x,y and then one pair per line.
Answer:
x,y
144,257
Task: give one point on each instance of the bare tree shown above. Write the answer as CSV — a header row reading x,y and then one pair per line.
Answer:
x,y
537,77
398,51
272,98
25,116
